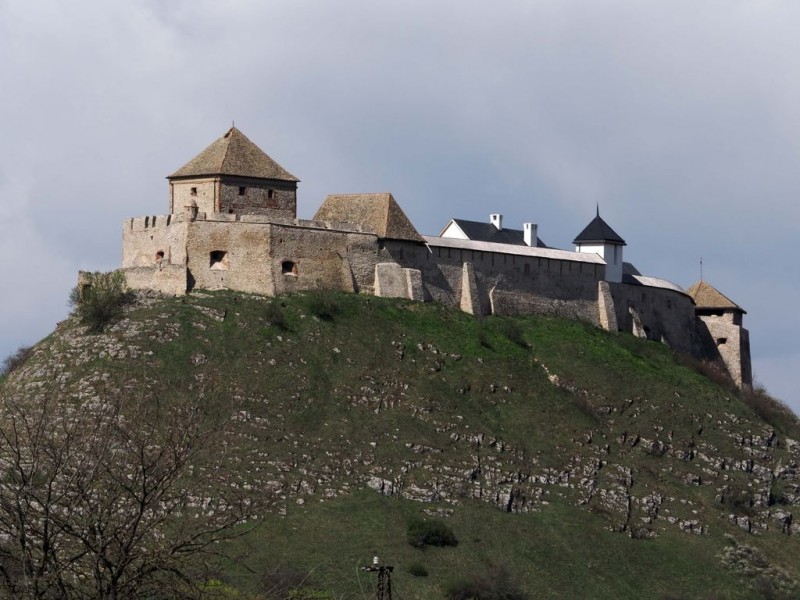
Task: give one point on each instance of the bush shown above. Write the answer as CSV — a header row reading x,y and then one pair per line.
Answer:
x,y
417,570
709,369
780,492
493,585
772,410
99,299
513,332
12,362
423,533
323,304
275,316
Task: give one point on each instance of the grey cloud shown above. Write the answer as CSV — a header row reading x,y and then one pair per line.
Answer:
x,y
681,119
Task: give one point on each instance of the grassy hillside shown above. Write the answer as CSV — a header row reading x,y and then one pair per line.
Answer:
x,y
568,462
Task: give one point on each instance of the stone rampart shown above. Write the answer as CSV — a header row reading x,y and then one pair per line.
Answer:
x,y
657,313
505,282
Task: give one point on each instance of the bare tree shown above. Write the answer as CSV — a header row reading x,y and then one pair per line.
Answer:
x,y
114,498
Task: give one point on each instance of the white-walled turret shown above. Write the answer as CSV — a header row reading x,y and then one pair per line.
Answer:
x,y
598,238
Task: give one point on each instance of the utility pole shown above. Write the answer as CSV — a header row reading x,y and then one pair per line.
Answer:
x,y
384,579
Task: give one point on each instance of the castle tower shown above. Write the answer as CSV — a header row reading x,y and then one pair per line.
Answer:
x,y
234,176
598,238
723,319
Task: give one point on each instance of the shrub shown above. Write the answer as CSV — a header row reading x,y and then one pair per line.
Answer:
x,y
513,332
709,369
323,304
492,585
432,532
14,361
780,492
772,410
99,299
738,499
417,570
275,316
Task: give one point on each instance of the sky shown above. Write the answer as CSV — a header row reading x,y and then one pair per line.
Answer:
x,y
680,119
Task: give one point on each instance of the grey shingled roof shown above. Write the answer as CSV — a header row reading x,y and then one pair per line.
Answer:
x,y
598,232
234,154
487,232
377,212
708,297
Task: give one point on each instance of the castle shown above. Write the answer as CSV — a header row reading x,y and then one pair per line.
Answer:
x,y
232,224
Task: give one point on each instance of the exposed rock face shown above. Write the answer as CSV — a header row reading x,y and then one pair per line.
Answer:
x,y
321,419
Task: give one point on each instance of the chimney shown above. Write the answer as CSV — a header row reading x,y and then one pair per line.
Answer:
x,y
496,220
530,231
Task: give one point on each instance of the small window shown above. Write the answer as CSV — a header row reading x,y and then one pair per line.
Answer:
x,y
159,256
288,267
722,341
230,211
194,191
219,260
242,190
270,194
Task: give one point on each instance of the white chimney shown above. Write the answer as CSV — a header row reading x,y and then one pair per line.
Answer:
x,y
496,220
530,231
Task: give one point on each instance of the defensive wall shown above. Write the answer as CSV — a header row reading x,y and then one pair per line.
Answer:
x,y
233,226
270,256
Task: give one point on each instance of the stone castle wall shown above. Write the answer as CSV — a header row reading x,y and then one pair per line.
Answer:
x,y
274,254
240,195
505,283
143,238
203,192
656,313
259,198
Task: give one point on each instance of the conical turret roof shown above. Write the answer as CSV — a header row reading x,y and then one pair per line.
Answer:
x,y
598,232
234,154
707,296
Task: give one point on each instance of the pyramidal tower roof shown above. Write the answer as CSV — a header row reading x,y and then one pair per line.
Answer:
x,y
378,212
707,296
234,154
598,232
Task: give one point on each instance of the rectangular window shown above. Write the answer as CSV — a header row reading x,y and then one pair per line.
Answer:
x,y
194,191
270,194
241,190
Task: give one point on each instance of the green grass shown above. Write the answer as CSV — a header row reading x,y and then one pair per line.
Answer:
x,y
334,390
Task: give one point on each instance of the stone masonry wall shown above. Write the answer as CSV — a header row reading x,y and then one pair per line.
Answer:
x,y
271,256
181,194
732,342
259,197
658,314
143,238
516,284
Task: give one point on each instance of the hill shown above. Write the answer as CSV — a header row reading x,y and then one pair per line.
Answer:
x,y
566,461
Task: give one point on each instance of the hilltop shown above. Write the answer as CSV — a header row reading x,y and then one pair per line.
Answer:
x,y
569,462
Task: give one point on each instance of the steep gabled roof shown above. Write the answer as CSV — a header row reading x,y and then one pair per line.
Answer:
x,y
378,212
487,232
234,154
708,297
598,232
